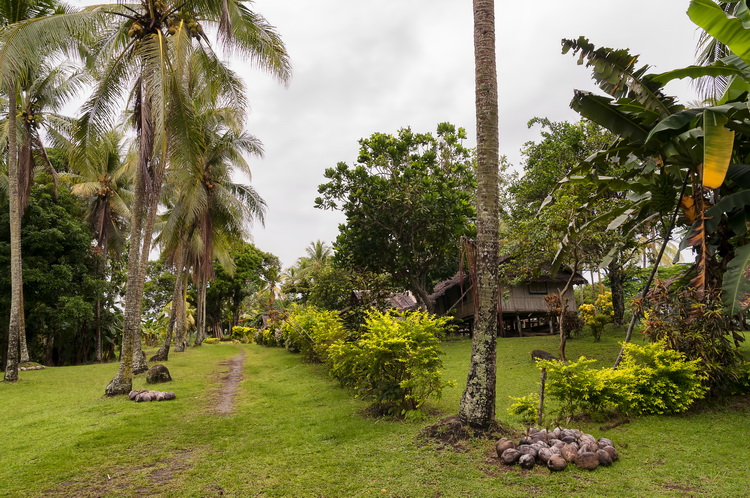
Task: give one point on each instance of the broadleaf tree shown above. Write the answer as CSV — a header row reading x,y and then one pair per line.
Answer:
x,y
407,200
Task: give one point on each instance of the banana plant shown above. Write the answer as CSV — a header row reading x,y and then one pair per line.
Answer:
x,y
687,162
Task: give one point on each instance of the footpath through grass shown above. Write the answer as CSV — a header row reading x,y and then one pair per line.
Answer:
x,y
296,433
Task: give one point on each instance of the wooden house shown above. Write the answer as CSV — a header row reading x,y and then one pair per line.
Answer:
x,y
524,309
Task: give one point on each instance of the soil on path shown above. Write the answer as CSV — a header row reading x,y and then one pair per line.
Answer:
x,y
230,384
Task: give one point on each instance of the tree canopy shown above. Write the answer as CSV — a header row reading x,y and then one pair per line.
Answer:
x,y
408,200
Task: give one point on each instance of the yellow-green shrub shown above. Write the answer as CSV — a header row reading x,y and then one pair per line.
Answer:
x,y
243,334
525,407
212,340
395,363
650,380
312,331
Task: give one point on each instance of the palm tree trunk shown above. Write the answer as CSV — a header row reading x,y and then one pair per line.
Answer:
x,y
16,273
200,334
477,406
177,303
122,383
22,330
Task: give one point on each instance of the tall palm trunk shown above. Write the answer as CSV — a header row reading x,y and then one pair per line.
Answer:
x,y
148,182
122,383
177,305
200,334
15,327
477,406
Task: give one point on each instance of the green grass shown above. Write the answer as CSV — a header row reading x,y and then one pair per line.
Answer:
x,y
296,433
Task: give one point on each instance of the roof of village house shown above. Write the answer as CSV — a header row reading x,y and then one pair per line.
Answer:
x,y
462,279
402,301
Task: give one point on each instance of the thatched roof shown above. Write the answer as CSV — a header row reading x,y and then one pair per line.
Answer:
x,y
402,301
462,279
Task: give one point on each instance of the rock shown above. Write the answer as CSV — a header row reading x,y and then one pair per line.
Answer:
x,y
132,395
569,452
503,445
510,456
158,374
604,458
612,452
603,442
587,461
556,463
527,462
538,354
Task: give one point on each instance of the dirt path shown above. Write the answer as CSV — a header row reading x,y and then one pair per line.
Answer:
x,y
230,385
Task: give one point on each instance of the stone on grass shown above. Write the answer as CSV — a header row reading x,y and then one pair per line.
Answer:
x,y
158,374
538,354
527,461
556,463
587,461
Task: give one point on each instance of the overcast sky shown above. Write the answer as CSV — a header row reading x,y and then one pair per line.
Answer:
x,y
365,66
376,66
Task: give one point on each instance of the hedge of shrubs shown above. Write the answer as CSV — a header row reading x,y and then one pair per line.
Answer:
x,y
395,362
651,379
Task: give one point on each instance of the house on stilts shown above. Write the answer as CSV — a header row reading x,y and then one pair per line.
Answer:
x,y
524,308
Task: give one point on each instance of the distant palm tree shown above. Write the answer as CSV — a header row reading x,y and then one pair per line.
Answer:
x,y
143,50
210,212
708,51
103,178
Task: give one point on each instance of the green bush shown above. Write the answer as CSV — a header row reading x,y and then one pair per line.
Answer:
x,y
650,380
658,380
312,331
395,363
525,408
212,340
243,334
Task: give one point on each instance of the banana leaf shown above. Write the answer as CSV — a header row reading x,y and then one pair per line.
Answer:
x,y
736,282
717,149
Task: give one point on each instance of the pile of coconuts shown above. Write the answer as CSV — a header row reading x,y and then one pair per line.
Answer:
x,y
146,395
556,449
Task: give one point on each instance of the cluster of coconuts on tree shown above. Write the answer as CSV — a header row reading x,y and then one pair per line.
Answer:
x,y
147,395
556,449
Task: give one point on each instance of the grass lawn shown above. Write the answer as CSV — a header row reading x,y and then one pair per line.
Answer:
x,y
294,432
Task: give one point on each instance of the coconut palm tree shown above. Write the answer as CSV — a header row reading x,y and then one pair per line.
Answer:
x,y
144,49
477,406
12,78
209,211
103,178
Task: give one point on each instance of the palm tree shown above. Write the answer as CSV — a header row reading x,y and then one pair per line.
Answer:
x,y
103,178
209,211
477,406
145,49
12,78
